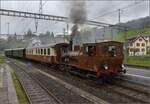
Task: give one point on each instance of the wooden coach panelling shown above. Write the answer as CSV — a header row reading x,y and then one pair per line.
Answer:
x,y
42,58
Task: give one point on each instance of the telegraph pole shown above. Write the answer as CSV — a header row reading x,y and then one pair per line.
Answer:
x,y
119,13
0,18
149,8
8,28
67,28
104,32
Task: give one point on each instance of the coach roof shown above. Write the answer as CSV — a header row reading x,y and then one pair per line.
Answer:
x,y
46,46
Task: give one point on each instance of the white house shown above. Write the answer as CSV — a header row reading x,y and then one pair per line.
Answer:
x,y
137,46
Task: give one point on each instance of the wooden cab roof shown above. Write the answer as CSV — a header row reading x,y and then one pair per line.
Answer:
x,y
103,42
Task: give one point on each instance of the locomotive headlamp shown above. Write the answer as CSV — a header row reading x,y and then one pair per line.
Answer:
x,y
105,66
122,66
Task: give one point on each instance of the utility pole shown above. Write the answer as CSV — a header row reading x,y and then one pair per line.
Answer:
x,y
0,18
67,28
8,29
125,46
104,33
149,8
111,29
119,13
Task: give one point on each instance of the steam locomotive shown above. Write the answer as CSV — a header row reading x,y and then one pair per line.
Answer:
x,y
103,59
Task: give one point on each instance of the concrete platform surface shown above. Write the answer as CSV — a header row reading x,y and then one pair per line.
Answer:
x,y
138,71
7,89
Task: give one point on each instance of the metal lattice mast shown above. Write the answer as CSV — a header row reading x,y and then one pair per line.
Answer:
x,y
40,12
0,18
119,12
149,8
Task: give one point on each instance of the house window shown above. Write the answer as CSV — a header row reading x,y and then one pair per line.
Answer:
x,y
131,44
137,44
143,44
140,39
143,50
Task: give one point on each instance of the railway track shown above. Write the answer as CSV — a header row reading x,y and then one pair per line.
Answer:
x,y
57,91
118,92
34,92
134,94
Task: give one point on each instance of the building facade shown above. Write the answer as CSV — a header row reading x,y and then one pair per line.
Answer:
x,y
138,46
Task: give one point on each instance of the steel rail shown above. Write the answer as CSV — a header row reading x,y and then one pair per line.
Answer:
x,y
42,86
30,100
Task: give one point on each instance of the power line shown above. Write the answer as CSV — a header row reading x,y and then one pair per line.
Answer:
x,y
110,12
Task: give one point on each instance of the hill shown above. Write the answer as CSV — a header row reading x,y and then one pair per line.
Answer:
x,y
134,32
135,27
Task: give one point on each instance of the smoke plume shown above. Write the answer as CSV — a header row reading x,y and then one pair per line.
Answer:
x,y
78,12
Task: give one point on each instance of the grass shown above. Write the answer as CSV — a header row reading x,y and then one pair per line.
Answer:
x,y
139,60
19,90
1,59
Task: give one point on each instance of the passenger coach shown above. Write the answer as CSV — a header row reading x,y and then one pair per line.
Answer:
x,y
44,53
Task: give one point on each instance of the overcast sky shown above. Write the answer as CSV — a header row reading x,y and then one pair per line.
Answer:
x,y
98,10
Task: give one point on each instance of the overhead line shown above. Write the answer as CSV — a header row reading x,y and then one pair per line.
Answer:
x,y
110,12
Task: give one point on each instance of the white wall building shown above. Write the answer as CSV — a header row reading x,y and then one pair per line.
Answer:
x,y
138,46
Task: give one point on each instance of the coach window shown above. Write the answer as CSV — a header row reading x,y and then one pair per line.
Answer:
x,y
37,51
48,51
45,51
41,51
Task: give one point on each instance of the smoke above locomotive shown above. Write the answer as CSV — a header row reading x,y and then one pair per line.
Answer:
x,y
78,12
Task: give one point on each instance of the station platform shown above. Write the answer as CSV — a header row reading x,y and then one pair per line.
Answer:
x,y
7,89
